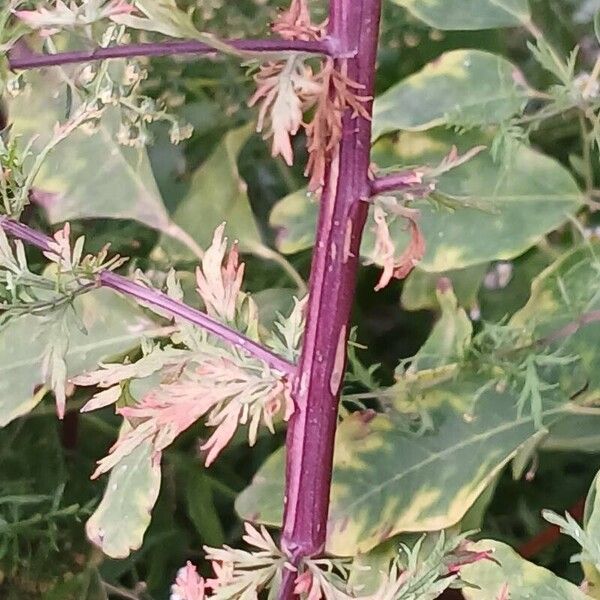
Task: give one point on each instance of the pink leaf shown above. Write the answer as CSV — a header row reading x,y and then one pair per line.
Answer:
x,y
188,585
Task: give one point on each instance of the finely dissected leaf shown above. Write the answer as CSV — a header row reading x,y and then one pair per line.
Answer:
x,y
120,521
469,14
88,175
522,579
164,16
114,325
217,193
497,210
387,480
466,87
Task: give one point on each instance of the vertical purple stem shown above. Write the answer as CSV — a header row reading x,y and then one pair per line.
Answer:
x,y
310,439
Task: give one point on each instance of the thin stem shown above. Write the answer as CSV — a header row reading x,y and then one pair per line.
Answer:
x,y
113,590
392,182
570,328
35,61
159,300
342,217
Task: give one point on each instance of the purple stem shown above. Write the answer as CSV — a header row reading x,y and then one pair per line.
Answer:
x,y
394,182
34,61
343,212
159,300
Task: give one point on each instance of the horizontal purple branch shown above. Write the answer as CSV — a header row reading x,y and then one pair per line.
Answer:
x,y
395,182
158,300
34,61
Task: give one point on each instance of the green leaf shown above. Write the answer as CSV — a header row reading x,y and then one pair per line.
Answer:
x,y
465,87
509,206
563,298
387,480
201,508
86,176
469,14
450,337
576,433
217,193
119,523
419,289
561,309
523,579
294,219
114,325
271,303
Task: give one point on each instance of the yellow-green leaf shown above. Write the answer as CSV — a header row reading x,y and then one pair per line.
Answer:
x,y
498,210
388,481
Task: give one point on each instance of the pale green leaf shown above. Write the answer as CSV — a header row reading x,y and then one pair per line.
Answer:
x,y
524,580
86,176
217,193
114,325
467,87
294,219
119,523
469,14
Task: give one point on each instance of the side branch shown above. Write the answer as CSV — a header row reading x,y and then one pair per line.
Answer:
x,y
570,328
395,182
34,61
159,300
